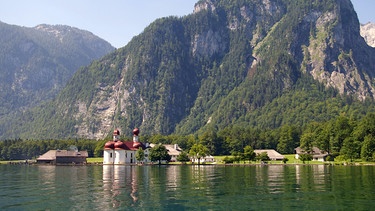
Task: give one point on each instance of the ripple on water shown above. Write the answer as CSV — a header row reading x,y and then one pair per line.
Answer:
x,y
186,187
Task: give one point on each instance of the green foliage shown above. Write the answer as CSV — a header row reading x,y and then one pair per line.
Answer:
x,y
183,157
248,154
307,141
140,154
357,136
368,148
210,139
285,160
221,78
262,156
159,153
288,141
198,151
350,149
36,65
228,159
232,159
19,149
305,157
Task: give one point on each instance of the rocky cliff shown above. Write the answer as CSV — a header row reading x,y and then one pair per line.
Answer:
x,y
368,32
254,62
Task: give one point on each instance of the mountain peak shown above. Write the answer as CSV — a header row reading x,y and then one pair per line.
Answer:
x,y
38,62
262,63
368,33
202,5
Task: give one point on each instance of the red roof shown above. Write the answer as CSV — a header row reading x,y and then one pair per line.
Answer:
x,y
125,145
109,145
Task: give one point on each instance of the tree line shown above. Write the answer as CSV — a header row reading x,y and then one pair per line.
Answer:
x,y
343,138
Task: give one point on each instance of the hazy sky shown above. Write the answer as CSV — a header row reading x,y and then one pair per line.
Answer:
x,y
116,21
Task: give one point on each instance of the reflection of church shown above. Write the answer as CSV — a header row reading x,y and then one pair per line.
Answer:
x,y
120,183
123,152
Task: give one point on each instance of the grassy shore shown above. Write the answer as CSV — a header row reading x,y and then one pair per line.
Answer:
x,y
219,160
94,160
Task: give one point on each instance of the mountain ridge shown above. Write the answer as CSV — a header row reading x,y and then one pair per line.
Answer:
x,y
226,63
368,33
36,66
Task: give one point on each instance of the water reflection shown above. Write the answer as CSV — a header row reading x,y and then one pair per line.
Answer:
x,y
112,187
276,179
206,187
120,181
47,175
313,177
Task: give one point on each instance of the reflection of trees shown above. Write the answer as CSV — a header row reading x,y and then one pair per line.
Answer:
x,y
271,187
273,178
312,177
170,184
64,182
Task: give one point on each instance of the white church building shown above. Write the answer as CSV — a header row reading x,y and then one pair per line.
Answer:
x,y
123,152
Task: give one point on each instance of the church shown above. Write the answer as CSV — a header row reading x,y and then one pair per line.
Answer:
x,y
123,152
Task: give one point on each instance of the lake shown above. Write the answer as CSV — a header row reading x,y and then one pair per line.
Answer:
x,y
187,187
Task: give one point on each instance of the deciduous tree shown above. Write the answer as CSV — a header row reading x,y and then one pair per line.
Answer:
x,y
198,151
140,155
305,157
248,153
159,153
183,157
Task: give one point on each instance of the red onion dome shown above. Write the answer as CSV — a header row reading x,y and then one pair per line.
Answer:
x,y
116,132
136,131
109,145
120,145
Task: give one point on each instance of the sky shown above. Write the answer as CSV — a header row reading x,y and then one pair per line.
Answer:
x,y
115,21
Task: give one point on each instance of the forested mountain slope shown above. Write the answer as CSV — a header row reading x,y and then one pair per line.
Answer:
x,y
245,62
36,63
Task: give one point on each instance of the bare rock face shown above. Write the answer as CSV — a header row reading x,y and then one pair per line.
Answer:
x,y
339,68
368,33
205,5
330,55
226,60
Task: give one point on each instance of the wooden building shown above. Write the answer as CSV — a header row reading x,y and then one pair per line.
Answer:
x,y
63,157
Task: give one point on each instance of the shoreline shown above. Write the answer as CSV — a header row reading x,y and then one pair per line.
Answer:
x,y
33,162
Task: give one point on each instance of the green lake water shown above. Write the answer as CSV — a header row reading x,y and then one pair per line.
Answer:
x,y
175,187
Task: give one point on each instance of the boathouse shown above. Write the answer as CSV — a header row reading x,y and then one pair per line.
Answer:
x,y
63,157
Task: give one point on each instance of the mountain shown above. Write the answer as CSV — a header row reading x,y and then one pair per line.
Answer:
x,y
259,63
36,63
368,32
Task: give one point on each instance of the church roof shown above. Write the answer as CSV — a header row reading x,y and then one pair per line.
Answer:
x,y
125,145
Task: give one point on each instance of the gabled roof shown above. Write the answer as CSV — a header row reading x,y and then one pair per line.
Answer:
x,y
173,149
272,154
316,152
52,154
